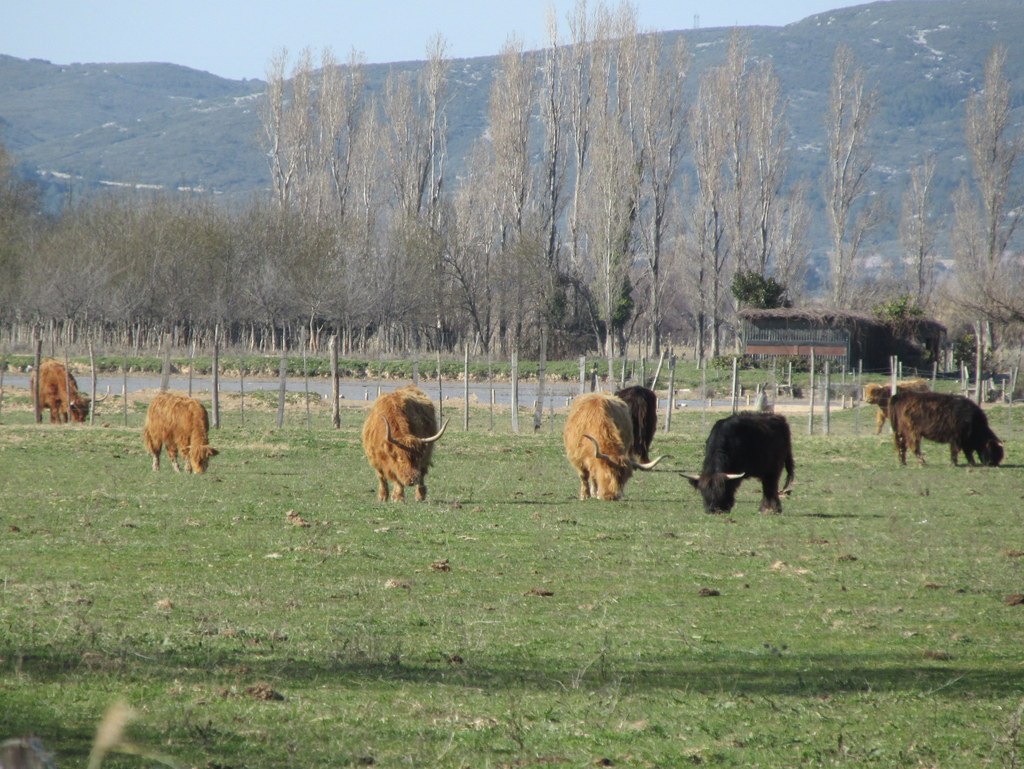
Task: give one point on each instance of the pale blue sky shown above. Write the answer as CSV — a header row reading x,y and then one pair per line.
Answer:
x,y
238,38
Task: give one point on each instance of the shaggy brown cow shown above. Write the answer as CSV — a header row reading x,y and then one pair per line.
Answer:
x,y
398,437
58,388
598,438
942,418
181,424
878,394
643,408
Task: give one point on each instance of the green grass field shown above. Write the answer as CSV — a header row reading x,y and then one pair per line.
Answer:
x,y
272,613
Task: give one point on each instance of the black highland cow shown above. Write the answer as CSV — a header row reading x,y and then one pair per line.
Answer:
x,y
643,410
943,418
742,445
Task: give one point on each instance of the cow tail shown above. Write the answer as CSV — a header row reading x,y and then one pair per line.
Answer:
x,y
790,472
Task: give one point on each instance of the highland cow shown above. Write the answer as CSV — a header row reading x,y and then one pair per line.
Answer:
x,y
740,446
182,425
398,438
598,439
942,418
58,391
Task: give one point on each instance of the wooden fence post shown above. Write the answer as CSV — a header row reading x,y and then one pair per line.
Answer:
x,y
165,373
335,384
828,399
283,372
538,412
810,413
440,388
735,393
671,391
37,345
92,386
215,374
515,391
124,389
465,387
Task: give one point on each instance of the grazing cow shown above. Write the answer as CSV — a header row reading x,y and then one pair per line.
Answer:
x,y
58,391
398,437
878,394
643,409
743,445
942,418
598,438
182,425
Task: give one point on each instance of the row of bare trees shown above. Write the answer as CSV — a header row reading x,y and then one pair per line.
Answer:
x,y
599,205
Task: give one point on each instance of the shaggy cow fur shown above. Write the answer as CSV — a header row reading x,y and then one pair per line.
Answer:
x,y
643,409
398,438
180,424
598,437
878,394
942,418
56,384
745,445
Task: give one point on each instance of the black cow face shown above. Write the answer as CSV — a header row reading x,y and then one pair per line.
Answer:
x,y
717,489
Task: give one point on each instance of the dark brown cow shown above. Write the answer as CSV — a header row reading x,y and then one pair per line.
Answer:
x,y
58,389
398,437
942,418
182,425
598,438
643,409
878,394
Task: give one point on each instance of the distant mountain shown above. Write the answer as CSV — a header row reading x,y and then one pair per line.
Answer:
x,y
82,127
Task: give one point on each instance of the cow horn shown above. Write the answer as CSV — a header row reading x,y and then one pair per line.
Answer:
x,y
648,465
690,476
440,432
597,449
734,476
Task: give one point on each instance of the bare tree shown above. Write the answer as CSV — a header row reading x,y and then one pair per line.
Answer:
x,y
777,226
848,119
578,97
729,81
511,109
708,249
988,275
473,242
552,97
659,133
918,231
612,178
285,114
340,113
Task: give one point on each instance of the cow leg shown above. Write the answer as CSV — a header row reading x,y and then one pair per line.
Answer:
x,y
421,492
382,487
917,449
770,502
584,484
901,446
879,421
954,454
172,452
398,493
